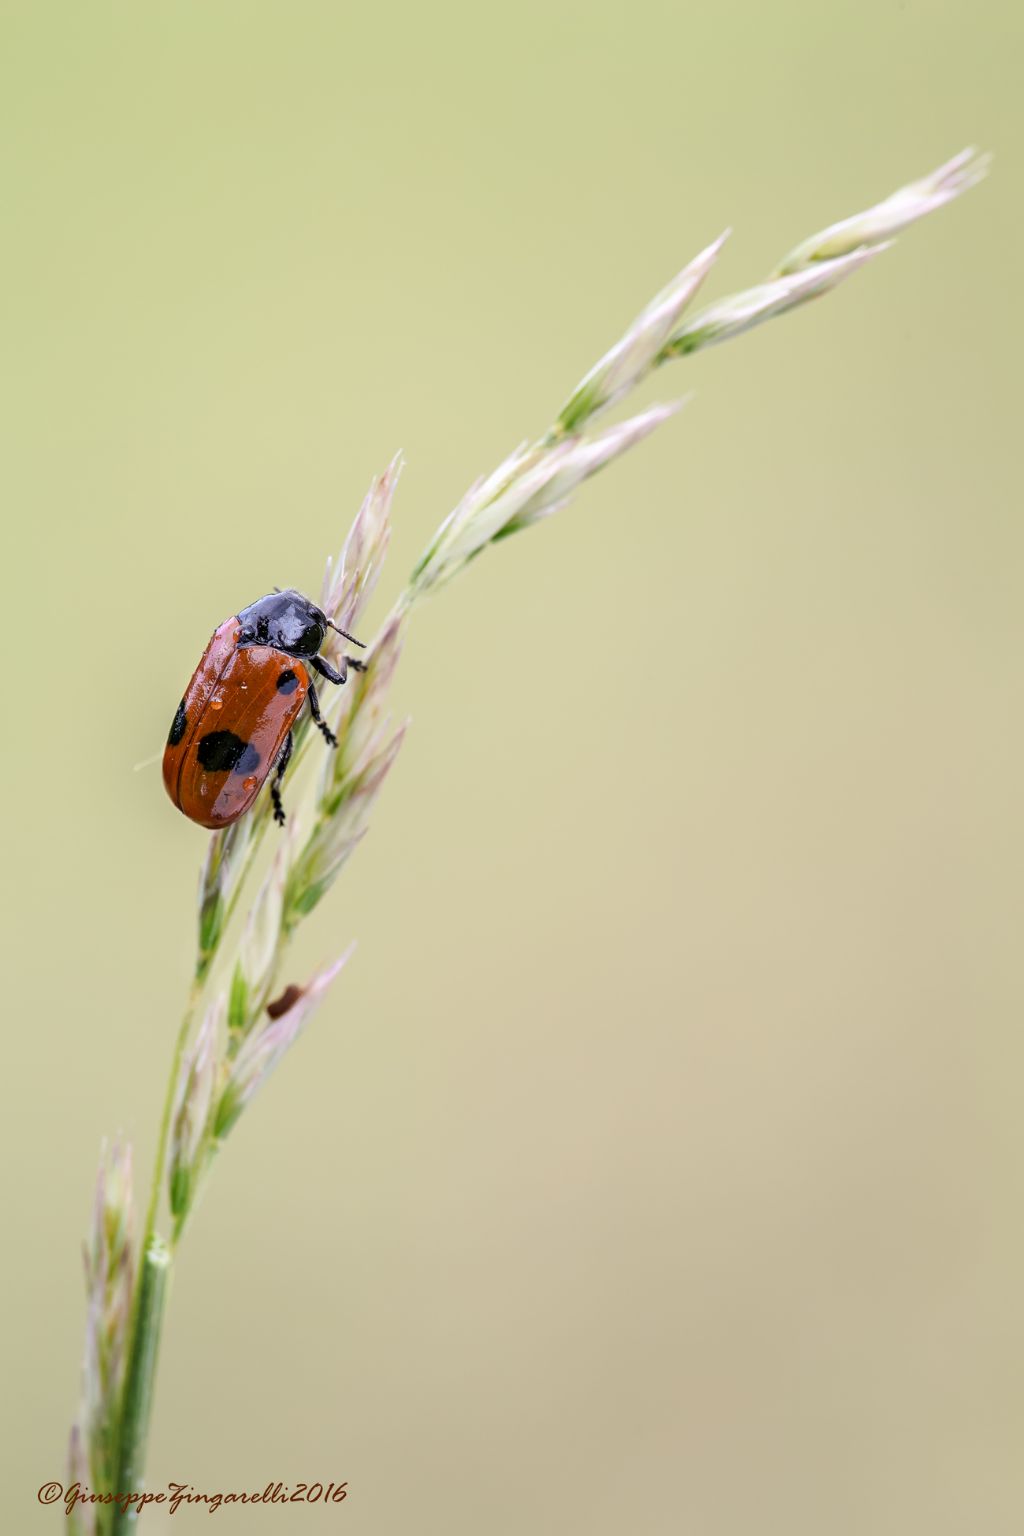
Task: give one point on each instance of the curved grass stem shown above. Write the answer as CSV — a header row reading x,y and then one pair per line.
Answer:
x,y
535,481
140,1380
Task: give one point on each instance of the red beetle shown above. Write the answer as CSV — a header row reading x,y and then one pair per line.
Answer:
x,y
234,725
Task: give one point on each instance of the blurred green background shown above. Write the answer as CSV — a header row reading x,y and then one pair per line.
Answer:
x,y
657,1164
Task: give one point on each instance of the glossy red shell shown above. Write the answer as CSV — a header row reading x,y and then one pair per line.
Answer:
x,y
230,726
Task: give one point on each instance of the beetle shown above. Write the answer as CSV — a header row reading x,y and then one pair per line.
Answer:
x,y
233,728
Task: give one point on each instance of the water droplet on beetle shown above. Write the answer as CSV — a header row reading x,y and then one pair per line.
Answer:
x,y
249,783
216,703
202,789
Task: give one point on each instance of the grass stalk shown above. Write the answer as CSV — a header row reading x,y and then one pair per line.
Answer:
x,y
233,1034
140,1379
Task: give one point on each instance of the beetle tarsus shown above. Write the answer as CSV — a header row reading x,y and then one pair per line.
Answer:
x,y
283,759
340,673
321,723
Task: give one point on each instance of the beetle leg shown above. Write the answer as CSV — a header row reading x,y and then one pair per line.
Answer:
x,y
275,784
321,723
326,670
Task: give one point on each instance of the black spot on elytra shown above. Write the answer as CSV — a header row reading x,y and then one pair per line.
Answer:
x,y
224,752
178,725
287,682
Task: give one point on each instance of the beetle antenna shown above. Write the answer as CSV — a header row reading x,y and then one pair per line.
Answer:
x,y
338,630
